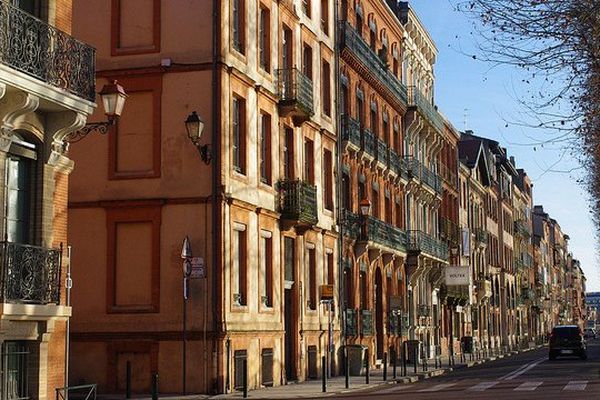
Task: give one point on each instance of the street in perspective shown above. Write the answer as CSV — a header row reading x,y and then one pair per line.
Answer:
x,y
220,199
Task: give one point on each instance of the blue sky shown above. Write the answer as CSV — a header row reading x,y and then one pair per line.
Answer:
x,y
488,95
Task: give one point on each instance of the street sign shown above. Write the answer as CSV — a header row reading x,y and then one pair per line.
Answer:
x,y
457,276
198,271
326,292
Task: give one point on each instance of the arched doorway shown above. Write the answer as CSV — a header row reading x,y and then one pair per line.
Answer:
x,y
379,312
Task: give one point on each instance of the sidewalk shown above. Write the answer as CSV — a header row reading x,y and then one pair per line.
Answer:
x,y
336,385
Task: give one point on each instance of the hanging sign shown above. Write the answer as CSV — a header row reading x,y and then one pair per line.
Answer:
x,y
457,276
197,270
326,292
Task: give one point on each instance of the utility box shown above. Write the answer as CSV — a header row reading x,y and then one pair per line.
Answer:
x,y
357,358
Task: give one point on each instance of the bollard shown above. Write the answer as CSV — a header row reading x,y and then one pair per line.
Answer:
x,y
324,373
385,362
245,378
155,387
415,362
394,363
128,380
404,371
346,368
367,366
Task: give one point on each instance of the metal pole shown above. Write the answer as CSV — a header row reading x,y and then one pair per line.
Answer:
x,y
415,357
245,378
184,336
324,373
68,285
330,339
155,386
128,380
394,363
367,366
403,350
346,368
385,366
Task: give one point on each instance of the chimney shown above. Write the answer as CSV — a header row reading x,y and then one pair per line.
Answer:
x,y
512,160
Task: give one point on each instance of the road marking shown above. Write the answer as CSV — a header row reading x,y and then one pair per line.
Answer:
x,y
481,386
439,387
576,385
523,369
395,388
529,386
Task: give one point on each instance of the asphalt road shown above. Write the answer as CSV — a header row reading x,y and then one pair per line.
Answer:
x,y
524,376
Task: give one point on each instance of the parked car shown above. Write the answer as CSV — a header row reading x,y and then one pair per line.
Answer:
x,y
589,333
567,340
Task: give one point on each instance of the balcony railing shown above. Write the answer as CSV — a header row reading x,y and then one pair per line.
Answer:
x,y
351,131
369,143
384,234
484,288
30,274
382,152
449,230
422,242
425,107
352,40
521,228
298,201
366,327
457,294
481,236
423,310
417,170
44,52
518,264
398,164
295,93
351,323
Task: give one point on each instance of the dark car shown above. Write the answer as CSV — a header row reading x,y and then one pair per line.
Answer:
x,y
567,340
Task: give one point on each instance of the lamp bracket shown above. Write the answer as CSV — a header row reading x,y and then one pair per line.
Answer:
x,y
205,152
100,127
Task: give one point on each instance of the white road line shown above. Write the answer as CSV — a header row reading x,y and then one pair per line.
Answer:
x,y
522,370
437,388
528,386
576,385
481,386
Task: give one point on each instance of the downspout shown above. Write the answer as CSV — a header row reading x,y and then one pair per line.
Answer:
x,y
216,197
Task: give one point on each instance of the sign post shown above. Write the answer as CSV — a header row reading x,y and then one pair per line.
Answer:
x,y
327,299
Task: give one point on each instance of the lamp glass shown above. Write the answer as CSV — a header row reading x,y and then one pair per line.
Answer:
x,y
365,207
113,99
194,126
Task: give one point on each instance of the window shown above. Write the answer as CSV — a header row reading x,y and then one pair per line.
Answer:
x,y
373,40
346,192
135,26
37,8
309,161
362,194
264,38
265,148
288,154
388,209
307,61
325,16
395,66
328,178
359,23
238,25
363,290
326,77
287,48
374,121
360,111
239,265
289,257
266,268
306,7
375,203
238,128
312,279
15,363
386,130
240,357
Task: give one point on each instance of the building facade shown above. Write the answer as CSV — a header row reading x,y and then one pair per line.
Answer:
x,y
46,94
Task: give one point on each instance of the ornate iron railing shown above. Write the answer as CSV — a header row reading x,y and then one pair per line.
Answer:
x,y
420,241
298,201
423,310
294,87
518,264
382,152
481,236
351,322
351,224
351,130
385,234
398,164
30,274
449,230
83,392
366,326
425,107
38,49
368,142
417,170
351,39
521,228
457,293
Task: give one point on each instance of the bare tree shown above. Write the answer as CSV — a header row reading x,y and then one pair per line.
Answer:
x,y
557,44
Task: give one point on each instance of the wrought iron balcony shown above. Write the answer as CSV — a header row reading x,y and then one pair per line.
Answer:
x,y
527,295
382,153
366,326
351,322
369,143
298,202
522,229
419,241
30,274
351,131
423,310
518,264
484,288
425,107
371,63
457,294
384,234
418,171
481,236
351,224
449,230
398,165
295,93
44,52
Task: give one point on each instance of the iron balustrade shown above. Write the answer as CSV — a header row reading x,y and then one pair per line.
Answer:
x,y
379,70
424,243
518,264
30,274
382,152
32,46
382,233
351,322
298,201
294,87
368,142
522,229
423,310
481,235
351,130
398,164
417,170
458,293
449,230
366,326
425,107
351,224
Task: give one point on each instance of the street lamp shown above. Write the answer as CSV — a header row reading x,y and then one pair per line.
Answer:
x,y
113,98
365,207
194,127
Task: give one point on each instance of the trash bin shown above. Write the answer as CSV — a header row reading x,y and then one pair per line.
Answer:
x,y
356,359
411,347
467,344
